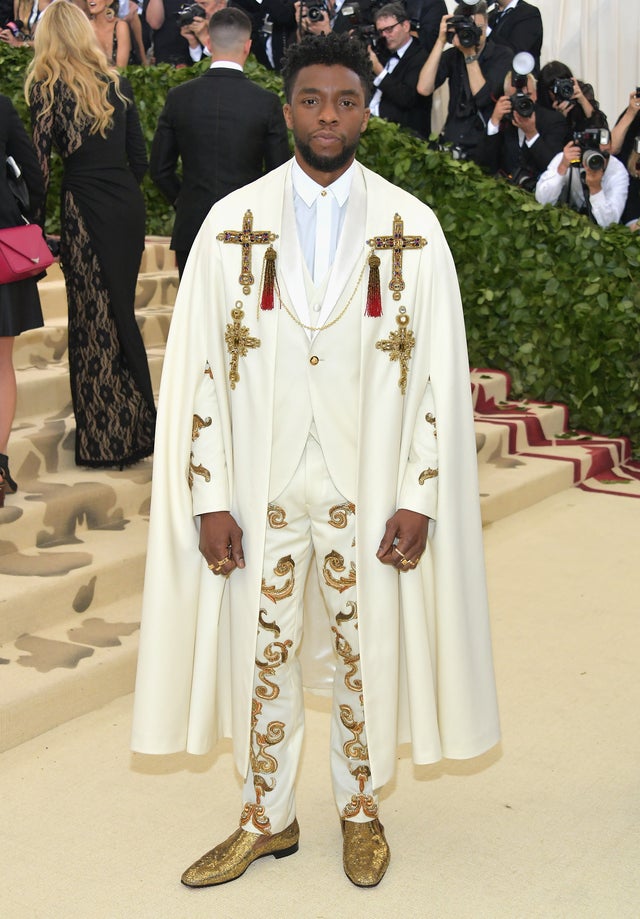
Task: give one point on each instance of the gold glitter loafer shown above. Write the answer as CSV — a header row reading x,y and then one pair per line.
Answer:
x,y
365,852
232,857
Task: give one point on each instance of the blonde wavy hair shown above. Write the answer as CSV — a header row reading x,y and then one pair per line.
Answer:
x,y
67,51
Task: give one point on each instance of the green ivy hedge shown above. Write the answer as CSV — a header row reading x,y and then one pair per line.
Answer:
x,y
549,297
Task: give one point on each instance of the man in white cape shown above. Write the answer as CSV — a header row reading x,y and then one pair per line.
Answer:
x,y
315,457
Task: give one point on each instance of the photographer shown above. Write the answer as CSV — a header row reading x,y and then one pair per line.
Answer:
x,y
518,25
169,46
273,29
521,137
625,145
587,178
194,27
559,89
426,15
396,98
475,71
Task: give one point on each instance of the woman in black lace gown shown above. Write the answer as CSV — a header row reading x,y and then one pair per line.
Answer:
x,y
81,106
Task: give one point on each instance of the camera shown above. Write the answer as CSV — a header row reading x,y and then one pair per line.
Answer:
x,y
469,34
589,142
562,89
523,104
188,12
314,11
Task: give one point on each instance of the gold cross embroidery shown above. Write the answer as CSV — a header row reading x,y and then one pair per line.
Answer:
x,y
399,346
238,342
398,242
246,237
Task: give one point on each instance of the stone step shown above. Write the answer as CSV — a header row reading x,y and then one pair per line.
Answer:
x,y
96,567
67,670
44,391
51,510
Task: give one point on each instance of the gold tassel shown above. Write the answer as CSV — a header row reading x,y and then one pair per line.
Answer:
x,y
374,299
268,279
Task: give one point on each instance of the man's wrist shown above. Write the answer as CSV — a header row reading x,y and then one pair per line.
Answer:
x,y
471,58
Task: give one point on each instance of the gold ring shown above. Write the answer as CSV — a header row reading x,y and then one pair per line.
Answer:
x,y
405,562
395,549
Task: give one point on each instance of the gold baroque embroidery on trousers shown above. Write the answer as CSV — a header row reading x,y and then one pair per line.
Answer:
x,y
277,517
361,801
208,371
338,514
238,342
275,654
269,626
261,762
352,614
399,346
427,474
198,424
354,749
431,419
335,562
350,660
286,566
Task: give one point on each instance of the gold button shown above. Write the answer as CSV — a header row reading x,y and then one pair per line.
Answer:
x,y
314,360
323,193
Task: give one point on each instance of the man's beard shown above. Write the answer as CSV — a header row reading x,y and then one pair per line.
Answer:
x,y
325,163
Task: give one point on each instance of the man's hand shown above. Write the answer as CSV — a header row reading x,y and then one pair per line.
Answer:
x,y
221,542
404,540
375,61
571,155
501,109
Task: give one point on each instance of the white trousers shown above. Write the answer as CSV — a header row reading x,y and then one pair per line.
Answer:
x,y
310,518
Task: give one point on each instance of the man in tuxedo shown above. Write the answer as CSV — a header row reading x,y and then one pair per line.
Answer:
x,y
226,131
426,14
519,144
396,97
518,25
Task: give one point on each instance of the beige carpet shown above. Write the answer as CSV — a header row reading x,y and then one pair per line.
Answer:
x,y
546,826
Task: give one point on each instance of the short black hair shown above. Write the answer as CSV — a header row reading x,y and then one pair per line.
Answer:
x,y
330,50
396,9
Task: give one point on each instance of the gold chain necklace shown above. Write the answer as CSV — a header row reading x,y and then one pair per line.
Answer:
x,y
327,325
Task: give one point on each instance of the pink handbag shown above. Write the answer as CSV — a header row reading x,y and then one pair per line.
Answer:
x,y
23,253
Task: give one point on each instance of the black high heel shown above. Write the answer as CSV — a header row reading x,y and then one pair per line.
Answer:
x,y
7,484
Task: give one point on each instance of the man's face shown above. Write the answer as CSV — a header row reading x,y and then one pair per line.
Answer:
x,y
396,34
327,115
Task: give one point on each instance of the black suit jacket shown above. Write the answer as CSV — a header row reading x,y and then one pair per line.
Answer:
x,y
428,14
520,29
501,153
227,132
401,101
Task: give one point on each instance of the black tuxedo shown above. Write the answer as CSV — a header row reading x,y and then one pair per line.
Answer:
x,y
401,101
520,29
227,132
428,14
501,153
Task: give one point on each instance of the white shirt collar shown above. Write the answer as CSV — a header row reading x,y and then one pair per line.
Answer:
x,y
510,6
229,65
308,189
400,52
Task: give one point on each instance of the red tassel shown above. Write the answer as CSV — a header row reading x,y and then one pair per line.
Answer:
x,y
374,300
268,279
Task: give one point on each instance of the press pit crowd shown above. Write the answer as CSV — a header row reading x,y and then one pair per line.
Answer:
x,y
533,123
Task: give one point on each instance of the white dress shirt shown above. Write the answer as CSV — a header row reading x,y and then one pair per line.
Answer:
x,y
320,214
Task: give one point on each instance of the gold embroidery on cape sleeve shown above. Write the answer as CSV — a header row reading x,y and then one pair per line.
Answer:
x,y
398,243
427,474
